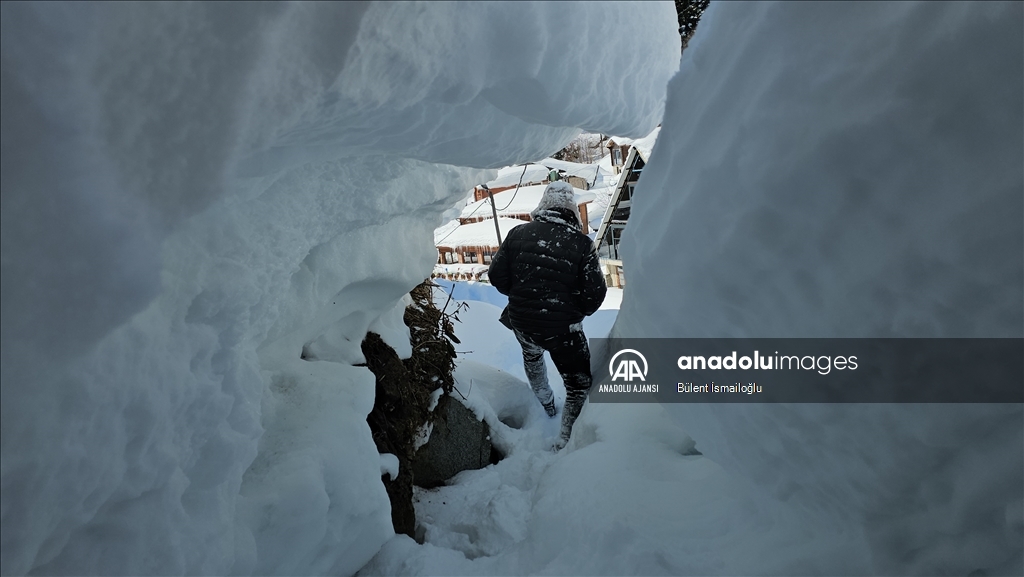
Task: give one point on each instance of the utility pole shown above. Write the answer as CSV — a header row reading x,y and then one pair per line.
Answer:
x,y
494,209
494,212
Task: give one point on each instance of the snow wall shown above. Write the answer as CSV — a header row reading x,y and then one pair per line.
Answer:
x,y
848,170
196,195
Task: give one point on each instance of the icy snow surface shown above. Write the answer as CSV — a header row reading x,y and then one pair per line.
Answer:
x,y
205,207
848,169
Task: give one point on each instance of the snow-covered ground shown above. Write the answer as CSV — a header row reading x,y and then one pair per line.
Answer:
x,y
629,496
492,344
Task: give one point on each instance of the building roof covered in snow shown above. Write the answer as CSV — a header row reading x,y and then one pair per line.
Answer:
x,y
585,171
477,233
444,230
620,141
510,175
521,201
643,146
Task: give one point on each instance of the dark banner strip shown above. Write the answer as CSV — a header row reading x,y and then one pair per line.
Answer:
x,y
808,370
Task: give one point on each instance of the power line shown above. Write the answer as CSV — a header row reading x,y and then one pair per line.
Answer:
x,y
486,202
437,242
525,166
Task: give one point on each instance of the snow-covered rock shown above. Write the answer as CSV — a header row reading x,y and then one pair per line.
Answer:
x,y
194,195
459,441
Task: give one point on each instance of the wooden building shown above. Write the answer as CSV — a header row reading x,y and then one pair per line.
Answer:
x,y
618,148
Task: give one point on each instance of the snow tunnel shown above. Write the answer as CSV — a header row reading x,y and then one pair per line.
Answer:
x,y
207,207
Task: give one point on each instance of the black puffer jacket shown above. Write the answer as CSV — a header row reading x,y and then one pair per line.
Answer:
x,y
550,272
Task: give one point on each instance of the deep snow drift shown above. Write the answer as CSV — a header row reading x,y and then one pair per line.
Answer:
x,y
196,195
848,170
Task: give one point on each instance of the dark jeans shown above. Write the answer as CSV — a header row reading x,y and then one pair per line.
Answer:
x,y
570,353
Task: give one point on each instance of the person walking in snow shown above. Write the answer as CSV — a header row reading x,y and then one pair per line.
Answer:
x,y
550,271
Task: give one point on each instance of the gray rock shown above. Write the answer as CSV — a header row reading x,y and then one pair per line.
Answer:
x,y
459,442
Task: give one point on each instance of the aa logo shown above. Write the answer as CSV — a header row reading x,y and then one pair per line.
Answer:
x,y
627,368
